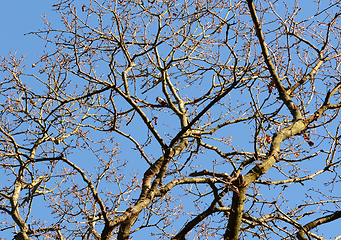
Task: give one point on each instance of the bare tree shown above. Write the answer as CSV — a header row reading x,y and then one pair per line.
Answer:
x,y
180,119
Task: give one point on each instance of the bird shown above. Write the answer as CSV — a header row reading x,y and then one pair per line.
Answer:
x,y
161,101
156,82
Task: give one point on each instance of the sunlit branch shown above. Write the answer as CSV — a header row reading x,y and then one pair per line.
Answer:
x,y
282,91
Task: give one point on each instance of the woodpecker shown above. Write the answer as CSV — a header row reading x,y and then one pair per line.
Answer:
x,y
161,101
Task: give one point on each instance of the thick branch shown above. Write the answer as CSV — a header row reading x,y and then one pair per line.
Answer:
x,y
275,78
315,223
236,215
197,117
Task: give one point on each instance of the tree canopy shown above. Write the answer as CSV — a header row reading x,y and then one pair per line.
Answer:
x,y
187,119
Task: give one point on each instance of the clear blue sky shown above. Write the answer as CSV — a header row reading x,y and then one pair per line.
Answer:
x,y
18,18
